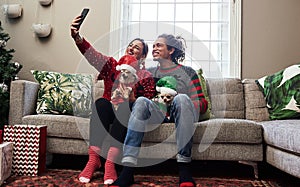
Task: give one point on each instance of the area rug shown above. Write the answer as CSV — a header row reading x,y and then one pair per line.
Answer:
x,y
65,178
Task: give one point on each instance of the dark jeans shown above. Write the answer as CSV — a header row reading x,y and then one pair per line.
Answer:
x,y
105,121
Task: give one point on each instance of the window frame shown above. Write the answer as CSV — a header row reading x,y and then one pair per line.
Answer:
x,y
235,34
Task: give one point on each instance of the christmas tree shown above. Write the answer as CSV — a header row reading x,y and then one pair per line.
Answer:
x,y
8,73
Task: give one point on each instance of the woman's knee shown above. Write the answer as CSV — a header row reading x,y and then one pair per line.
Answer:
x,y
101,102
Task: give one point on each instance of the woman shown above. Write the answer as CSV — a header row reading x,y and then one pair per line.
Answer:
x,y
109,121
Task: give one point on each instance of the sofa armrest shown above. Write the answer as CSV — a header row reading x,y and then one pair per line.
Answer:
x,y
23,99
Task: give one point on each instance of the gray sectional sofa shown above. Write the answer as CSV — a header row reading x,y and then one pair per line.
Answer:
x,y
239,129
281,137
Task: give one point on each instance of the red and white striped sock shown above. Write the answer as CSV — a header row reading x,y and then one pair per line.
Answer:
x,y
110,174
92,165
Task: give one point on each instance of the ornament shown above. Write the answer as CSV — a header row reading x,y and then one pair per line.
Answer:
x,y
45,2
3,87
42,30
2,43
13,10
16,77
17,65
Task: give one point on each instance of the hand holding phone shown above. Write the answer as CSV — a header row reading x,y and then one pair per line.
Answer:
x,y
83,16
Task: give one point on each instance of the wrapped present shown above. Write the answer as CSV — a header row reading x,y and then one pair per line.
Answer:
x,y
6,152
29,148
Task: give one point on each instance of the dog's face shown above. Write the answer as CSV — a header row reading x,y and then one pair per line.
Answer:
x,y
126,77
166,98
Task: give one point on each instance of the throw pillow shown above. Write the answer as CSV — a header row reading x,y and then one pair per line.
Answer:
x,y
64,93
282,93
202,80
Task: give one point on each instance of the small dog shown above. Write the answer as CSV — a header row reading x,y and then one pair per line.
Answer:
x,y
166,98
165,101
166,87
126,80
127,77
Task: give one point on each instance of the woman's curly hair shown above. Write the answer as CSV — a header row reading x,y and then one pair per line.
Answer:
x,y
178,43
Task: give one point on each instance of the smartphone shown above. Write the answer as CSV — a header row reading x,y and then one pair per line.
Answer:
x,y
83,15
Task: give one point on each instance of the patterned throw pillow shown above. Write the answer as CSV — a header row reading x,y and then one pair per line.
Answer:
x,y
63,93
207,114
282,93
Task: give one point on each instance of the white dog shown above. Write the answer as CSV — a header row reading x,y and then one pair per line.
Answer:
x,y
166,87
123,90
166,98
127,78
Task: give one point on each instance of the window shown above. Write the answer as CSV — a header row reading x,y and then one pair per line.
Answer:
x,y
211,29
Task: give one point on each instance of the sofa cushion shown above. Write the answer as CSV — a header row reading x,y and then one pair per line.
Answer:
x,y
282,92
67,146
255,104
213,130
283,160
202,80
98,89
228,131
61,125
217,151
227,97
283,134
64,93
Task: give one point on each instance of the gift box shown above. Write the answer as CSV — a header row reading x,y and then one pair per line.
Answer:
x,y
6,152
29,148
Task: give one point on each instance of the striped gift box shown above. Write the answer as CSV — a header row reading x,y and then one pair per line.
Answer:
x,y
6,149
29,148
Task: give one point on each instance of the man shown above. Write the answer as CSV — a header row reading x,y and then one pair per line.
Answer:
x,y
168,51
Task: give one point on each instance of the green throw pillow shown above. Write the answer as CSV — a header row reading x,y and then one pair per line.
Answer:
x,y
207,114
64,93
282,93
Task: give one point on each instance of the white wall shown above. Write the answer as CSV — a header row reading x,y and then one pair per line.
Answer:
x,y
57,52
270,35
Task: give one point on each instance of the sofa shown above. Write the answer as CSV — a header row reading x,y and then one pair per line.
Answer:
x,y
239,128
281,137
